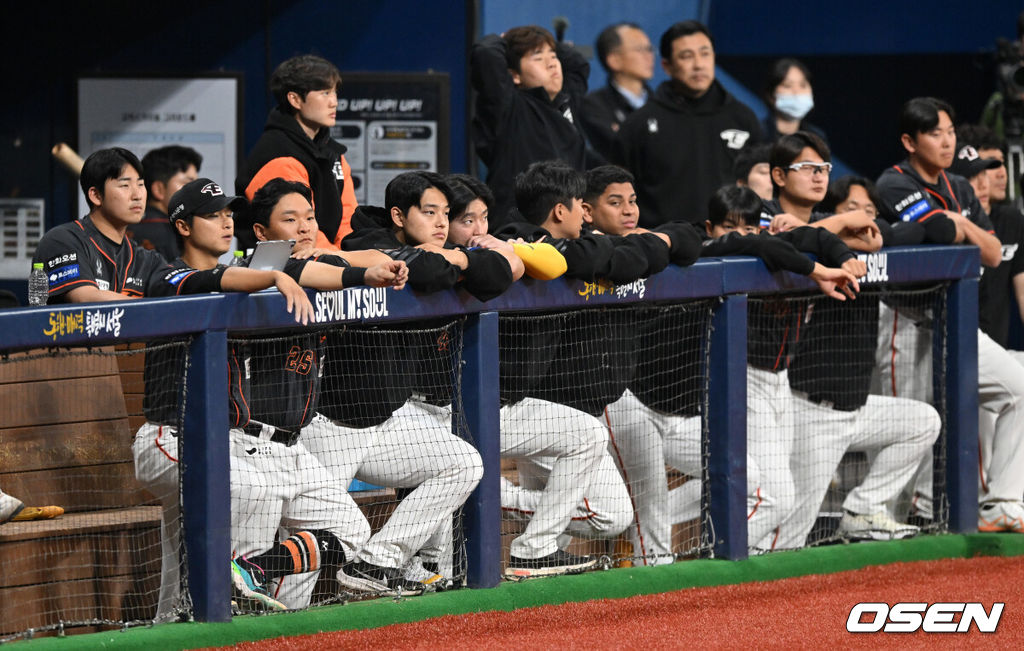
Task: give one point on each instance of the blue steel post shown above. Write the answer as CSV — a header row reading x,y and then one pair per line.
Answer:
x,y
962,404
727,421
205,465
480,400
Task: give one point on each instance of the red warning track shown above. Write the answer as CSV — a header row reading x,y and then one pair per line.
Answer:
x,y
804,612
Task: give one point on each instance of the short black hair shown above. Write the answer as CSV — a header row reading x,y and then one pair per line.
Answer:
x,y
103,165
980,137
267,197
543,186
679,30
406,190
748,157
787,148
464,190
921,114
302,75
778,74
839,190
520,41
736,201
599,178
609,40
163,163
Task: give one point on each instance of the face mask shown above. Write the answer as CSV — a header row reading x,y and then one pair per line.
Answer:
x,y
794,106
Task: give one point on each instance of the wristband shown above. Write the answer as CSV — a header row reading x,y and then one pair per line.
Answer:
x,y
353,276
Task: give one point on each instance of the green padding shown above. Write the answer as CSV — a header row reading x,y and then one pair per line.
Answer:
x,y
540,592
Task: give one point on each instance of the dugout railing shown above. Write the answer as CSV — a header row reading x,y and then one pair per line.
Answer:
x,y
209,318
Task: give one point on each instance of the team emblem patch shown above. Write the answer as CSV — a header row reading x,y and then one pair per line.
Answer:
x,y
735,138
212,189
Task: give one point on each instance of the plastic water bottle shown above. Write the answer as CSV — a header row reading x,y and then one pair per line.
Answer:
x,y
237,260
38,285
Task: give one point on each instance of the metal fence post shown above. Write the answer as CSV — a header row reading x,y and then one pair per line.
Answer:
x,y
727,422
206,487
481,404
961,404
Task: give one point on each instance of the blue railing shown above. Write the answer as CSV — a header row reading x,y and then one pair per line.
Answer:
x,y
206,503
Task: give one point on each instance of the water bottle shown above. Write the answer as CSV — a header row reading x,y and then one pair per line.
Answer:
x,y
237,260
38,285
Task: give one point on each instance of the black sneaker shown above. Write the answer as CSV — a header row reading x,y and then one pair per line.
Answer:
x,y
559,562
364,577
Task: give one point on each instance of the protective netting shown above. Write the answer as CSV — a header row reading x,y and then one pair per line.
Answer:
x,y
346,457
70,418
603,437
833,452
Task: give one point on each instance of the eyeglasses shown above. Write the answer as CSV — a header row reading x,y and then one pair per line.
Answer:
x,y
811,168
640,49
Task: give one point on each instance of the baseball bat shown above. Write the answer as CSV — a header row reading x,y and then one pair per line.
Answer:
x,y
68,157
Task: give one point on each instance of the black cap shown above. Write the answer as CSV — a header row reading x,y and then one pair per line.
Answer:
x,y
968,164
200,197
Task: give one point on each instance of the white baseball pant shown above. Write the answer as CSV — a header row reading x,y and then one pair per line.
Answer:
x,y
568,481
770,422
897,431
643,440
274,486
903,345
415,448
155,449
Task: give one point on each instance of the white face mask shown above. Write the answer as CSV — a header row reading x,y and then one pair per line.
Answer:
x,y
794,106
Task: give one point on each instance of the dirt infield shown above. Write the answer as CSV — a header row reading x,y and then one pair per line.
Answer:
x,y
801,612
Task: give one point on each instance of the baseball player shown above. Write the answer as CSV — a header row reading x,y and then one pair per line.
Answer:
x,y
830,373
376,436
560,450
920,189
275,481
92,259
656,421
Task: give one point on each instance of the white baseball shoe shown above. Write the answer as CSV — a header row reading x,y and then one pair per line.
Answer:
x,y
876,526
1001,516
9,507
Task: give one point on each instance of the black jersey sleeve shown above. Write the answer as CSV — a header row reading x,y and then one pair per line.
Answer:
x,y
487,275
293,268
831,250
686,242
179,279
67,261
575,71
776,252
586,258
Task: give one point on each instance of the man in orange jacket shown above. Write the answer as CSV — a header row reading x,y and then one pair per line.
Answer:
x,y
296,145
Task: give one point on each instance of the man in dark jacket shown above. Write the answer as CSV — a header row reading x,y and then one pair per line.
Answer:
x,y
681,145
296,145
626,54
529,89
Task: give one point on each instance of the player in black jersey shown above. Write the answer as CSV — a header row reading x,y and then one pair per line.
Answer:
x,y
202,217
920,189
830,364
92,259
655,420
403,450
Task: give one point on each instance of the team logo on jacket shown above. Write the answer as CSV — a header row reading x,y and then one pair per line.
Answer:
x,y
212,189
735,138
567,114
339,173
652,125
